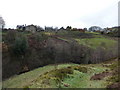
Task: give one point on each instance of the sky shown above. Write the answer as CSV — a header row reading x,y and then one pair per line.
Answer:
x,y
58,13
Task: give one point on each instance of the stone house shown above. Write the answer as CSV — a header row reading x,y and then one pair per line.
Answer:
x,y
31,28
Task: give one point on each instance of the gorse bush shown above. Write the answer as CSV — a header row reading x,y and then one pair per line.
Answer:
x,y
81,69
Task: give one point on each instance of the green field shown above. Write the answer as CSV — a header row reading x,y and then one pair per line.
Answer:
x,y
97,42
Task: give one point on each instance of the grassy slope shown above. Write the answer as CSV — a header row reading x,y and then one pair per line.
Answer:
x,y
35,78
98,40
25,78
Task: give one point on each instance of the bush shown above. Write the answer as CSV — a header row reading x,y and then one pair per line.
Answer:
x,y
60,74
20,45
39,37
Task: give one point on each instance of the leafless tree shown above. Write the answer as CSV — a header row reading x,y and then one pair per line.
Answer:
x,y
2,22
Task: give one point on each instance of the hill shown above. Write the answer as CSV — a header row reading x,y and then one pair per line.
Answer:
x,y
25,51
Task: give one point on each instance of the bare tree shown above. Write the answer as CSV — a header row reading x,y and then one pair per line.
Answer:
x,y
2,22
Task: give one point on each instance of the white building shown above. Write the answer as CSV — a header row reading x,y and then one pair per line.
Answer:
x,y
31,28
95,28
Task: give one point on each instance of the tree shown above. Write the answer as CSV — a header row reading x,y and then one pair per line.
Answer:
x,y
68,28
85,29
20,46
62,28
2,22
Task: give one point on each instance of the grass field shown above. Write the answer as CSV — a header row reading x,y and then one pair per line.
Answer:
x,y
97,42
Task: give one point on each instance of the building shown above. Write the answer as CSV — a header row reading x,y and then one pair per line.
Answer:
x,y
31,28
95,29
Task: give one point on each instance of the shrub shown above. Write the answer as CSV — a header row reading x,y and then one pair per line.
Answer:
x,y
10,36
20,45
40,37
62,73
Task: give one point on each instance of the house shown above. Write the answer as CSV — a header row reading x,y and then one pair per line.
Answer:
x,y
105,31
32,28
95,29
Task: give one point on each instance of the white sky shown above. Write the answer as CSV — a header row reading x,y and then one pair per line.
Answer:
x,y
77,13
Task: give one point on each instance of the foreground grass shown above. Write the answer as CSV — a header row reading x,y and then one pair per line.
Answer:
x,y
66,76
18,81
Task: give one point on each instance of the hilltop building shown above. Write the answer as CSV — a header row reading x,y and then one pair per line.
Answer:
x,y
95,29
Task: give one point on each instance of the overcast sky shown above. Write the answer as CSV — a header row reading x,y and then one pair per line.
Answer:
x,y
76,13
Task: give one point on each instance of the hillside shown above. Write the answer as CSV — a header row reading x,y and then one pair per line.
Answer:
x,y
52,59
102,75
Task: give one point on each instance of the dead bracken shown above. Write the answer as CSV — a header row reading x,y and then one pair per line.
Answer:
x,y
100,76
